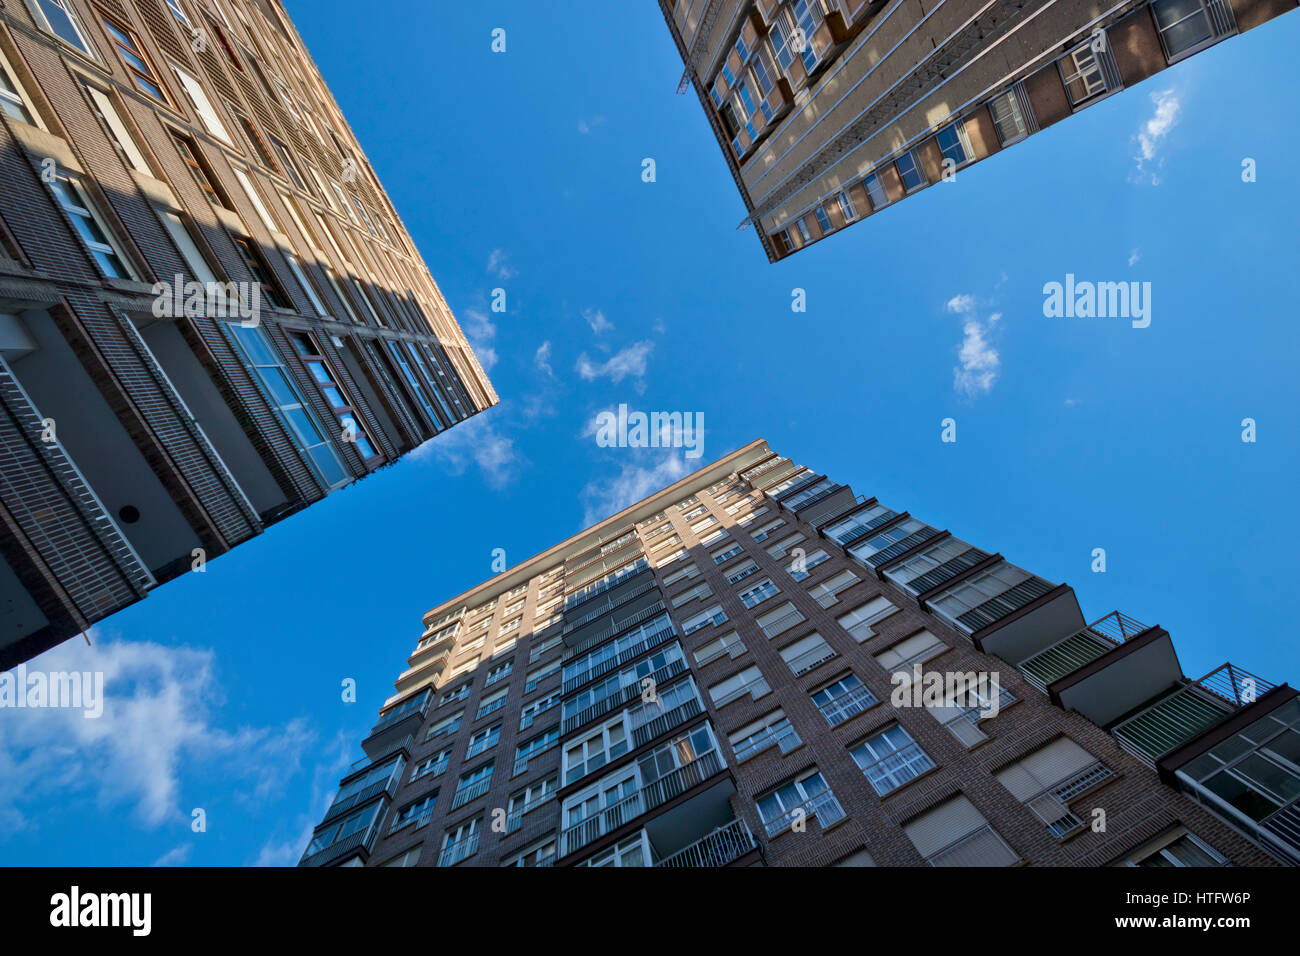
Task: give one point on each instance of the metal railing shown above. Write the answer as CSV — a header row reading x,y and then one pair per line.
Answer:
x,y
848,704
824,807
721,847
1051,804
575,677
781,735
806,661
465,794
453,853
617,625
642,801
1190,710
622,696
1082,647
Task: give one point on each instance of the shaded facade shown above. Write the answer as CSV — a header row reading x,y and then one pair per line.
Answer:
x,y
211,315
734,671
828,111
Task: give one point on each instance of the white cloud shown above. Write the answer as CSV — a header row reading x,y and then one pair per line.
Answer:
x,y
979,363
157,723
601,499
542,359
1134,257
498,266
627,362
178,856
586,126
596,319
283,852
475,441
1150,137
481,332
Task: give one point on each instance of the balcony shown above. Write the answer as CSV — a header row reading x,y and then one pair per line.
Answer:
x,y
453,853
824,806
618,814
626,695
1071,653
397,724
721,847
635,613
1188,712
574,679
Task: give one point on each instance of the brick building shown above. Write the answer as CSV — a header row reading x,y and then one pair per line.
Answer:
x,y
211,315
827,111
736,671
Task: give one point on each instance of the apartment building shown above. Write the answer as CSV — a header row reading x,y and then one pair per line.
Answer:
x,y
734,672
828,111
211,315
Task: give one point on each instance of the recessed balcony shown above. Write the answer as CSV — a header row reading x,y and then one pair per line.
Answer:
x,y
721,847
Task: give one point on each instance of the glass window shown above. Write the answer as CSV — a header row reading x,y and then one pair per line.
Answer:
x,y
128,48
59,18
203,106
12,102
891,759
910,172
1009,118
90,225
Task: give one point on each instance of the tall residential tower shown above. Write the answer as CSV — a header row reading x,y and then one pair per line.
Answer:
x,y
211,315
741,670
830,110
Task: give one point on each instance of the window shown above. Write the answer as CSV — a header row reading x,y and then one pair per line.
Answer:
x,y
203,106
843,698
359,822
500,672
595,750
711,617
860,524
782,547
779,620
823,219
804,234
885,540
90,225
175,7
807,653
847,209
189,152
295,266
802,567
890,759
954,144
749,681
729,550
764,532
58,17
539,706
1082,74
1009,117
456,693
1049,778
772,730
876,191
534,746
826,593
634,851
697,593
797,800
412,856
976,591
535,677
541,853
256,264
956,834
460,843
1256,770
445,727
758,593
432,766
128,48
264,153
906,654
283,395
742,570
287,162
13,101
472,785
1175,847
483,740
910,171
1186,26
530,798
928,560
492,702
808,14
972,700
418,812
729,644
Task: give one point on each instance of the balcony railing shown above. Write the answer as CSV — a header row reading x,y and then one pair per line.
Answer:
x,y
762,469
453,853
1189,711
808,660
642,801
610,602
624,695
824,807
722,847
781,735
471,792
576,678
1082,647
651,729
618,625
1051,804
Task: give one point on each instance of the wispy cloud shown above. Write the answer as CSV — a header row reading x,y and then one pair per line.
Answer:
x,y
1134,257
585,126
499,266
481,332
475,442
628,362
542,359
596,319
1151,136
600,499
178,856
978,361
158,724
282,851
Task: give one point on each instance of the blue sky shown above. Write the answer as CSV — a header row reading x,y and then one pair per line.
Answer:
x,y
522,170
